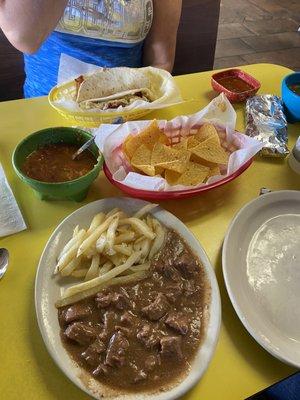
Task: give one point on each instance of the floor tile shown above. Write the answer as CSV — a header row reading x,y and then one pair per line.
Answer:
x,y
231,47
262,27
288,57
233,30
270,6
273,42
229,62
237,10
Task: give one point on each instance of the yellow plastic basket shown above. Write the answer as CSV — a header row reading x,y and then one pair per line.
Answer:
x,y
87,119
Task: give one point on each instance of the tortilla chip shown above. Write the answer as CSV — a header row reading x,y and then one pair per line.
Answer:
x,y
192,176
151,135
211,150
159,170
201,161
214,171
182,145
168,158
131,144
206,131
141,160
192,142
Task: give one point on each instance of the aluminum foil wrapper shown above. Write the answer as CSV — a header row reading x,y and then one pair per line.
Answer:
x,y
266,122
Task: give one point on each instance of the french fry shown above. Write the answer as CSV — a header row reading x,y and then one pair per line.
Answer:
x,y
101,242
110,236
144,210
70,243
93,237
159,239
95,289
101,279
73,264
105,268
117,259
96,221
76,230
127,236
140,267
123,249
93,270
143,245
139,226
79,273
149,222
112,212
71,253
114,249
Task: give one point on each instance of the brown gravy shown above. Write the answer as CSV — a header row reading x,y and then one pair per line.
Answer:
x,y
53,163
142,336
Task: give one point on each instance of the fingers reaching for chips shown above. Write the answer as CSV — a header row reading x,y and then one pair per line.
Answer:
x,y
189,162
114,249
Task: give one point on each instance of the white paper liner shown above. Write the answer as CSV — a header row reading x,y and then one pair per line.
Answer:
x,y
70,68
11,220
220,112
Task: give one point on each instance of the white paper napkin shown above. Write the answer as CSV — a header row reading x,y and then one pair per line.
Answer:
x,y
11,220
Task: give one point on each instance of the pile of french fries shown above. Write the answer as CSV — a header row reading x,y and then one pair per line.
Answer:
x,y
115,249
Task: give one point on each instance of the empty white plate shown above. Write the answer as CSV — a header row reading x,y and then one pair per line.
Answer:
x,y
261,267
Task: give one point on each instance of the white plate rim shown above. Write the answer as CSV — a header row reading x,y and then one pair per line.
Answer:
x,y
178,390
260,199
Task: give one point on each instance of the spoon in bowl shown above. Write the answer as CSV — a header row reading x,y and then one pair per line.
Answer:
x,y
118,120
4,257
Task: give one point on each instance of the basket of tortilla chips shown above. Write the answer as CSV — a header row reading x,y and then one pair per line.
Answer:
x,y
179,158
107,93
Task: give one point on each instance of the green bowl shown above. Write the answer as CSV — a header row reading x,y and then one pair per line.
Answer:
x,y
71,190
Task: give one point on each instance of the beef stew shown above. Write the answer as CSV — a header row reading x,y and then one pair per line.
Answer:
x,y
142,336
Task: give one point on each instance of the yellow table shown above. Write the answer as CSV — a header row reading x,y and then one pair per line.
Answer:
x,y
240,367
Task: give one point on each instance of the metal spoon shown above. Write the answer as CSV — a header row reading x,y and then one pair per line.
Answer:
x,y
4,257
118,120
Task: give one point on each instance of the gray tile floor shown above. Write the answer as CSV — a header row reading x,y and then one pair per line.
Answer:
x,y
254,31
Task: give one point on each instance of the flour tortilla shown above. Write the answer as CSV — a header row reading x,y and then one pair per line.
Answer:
x,y
111,81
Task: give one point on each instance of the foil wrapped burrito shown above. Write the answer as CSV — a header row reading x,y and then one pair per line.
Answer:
x,y
266,122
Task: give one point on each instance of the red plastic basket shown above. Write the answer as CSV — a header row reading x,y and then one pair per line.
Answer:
x,y
174,194
235,97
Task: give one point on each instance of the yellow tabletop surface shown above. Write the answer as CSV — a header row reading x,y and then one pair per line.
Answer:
x,y
240,367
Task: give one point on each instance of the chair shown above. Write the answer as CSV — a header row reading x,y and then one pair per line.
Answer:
x,y
194,52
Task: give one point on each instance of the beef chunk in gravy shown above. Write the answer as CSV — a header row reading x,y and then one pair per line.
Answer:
x,y
116,299
186,266
81,333
149,336
76,312
178,321
92,354
116,350
157,309
171,347
141,335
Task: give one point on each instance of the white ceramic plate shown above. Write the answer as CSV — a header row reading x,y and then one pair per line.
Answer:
x,y
261,267
47,291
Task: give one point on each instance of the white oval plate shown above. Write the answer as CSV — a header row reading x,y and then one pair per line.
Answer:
x,y
47,291
264,287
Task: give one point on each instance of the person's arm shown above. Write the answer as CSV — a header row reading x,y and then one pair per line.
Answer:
x,y
27,23
160,44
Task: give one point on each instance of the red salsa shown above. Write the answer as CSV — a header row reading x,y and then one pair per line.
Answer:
x,y
53,163
295,88
235,84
